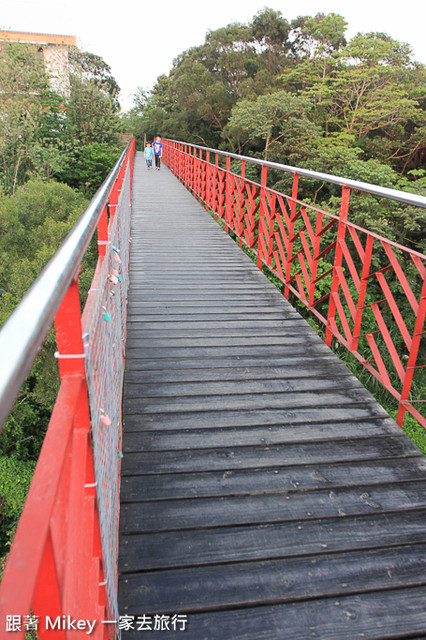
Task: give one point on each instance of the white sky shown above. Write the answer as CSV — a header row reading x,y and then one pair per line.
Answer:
x,y
140,39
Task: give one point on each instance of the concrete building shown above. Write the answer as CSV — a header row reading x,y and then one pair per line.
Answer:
x,y
54,49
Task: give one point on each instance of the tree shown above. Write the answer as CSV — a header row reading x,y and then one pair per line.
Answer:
x,y
372,92
92,69
91,123
367,92
91,115
231,56
23,84
277,118
365,95
317,37
43,134
195,100
270,31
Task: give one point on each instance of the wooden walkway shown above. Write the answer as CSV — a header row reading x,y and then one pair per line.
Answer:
x,y
265,494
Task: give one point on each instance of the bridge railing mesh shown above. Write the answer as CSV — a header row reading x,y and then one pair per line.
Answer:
x,y
104,336
367,293
63,560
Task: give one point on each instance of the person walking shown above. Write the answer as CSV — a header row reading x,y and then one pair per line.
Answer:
x,y
157,145
148,155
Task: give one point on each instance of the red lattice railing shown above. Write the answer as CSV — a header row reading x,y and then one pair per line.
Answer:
x,y
355,282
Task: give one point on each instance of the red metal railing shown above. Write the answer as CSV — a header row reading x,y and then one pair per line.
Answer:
x,y
352,280
56,572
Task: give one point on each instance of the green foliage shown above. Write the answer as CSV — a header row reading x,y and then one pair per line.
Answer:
x,y
270,31
23,84
278,119
414,431
33,224
34,221
91,69
360,100
74,138
15,479
88,166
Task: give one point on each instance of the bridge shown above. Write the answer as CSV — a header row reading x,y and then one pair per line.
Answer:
x,y
248,486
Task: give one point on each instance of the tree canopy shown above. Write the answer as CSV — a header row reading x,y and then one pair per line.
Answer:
x,y
47,135
366,94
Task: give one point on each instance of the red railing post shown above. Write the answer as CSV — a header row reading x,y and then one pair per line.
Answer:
x,y
287,265
208,181
193,175
103,233
241,204
362,292
315,259
262,213
202,173
190,180
185,165
218,210
68,333
338,254
182,163
228,194
412,358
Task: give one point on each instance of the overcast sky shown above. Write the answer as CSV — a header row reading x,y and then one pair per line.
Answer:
x,y
140,39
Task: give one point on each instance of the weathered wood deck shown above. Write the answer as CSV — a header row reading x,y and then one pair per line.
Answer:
x,y
265,494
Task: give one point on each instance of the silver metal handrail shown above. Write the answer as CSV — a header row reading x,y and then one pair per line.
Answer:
x,y
22,335
383,192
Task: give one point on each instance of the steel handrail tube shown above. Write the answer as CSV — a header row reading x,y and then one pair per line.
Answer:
x,y
383,192
25,330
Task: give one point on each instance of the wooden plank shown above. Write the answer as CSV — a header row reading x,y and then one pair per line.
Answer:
x,y
239,402
223,325
271,480
275,581
197,306
248,371
281,507
270,362
147,551
250,417
244,457
192,339
188,328
236,352
236,387
212,437
376,615
196,297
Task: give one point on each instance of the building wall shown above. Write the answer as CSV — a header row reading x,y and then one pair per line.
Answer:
x,y
55,54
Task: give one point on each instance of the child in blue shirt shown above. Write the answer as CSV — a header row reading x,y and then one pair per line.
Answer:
x,y
148,155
